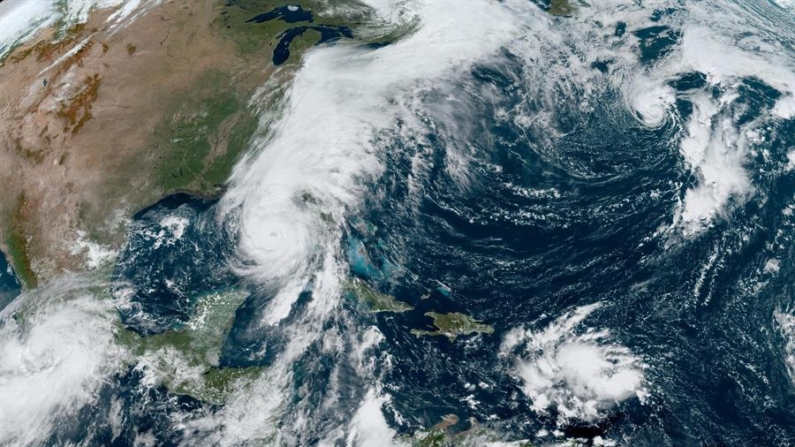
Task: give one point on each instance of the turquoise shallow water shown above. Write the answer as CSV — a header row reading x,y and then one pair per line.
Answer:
x,y
639,290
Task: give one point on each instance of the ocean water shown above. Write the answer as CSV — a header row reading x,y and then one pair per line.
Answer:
x,y
9,285
612,192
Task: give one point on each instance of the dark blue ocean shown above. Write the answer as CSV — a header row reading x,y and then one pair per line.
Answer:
x,y
541,226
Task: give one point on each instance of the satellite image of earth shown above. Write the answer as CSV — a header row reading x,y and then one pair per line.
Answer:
x,y
383,223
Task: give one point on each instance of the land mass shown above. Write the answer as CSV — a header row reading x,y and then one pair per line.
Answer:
x,y
452,325
98,120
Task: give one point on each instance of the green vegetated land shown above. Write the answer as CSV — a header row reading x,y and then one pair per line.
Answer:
x,y
261,38
203,136
186,359
17,243
452,325
375,300
211,125
560,7
444,435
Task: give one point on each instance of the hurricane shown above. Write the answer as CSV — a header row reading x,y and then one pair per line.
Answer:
x,y
452,223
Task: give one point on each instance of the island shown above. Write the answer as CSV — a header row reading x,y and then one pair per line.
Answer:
x,y
452,325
